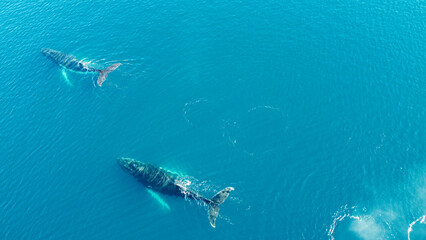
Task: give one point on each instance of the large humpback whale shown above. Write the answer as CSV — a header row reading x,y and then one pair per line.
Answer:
x,y
72,63
163,181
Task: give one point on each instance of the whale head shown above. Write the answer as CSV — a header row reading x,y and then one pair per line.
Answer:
x,y
47,51
131,165
52,54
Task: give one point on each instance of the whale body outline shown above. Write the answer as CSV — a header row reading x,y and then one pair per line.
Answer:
x,y
70,62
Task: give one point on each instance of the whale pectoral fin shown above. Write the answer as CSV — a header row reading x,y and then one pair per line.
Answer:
x,y
65,75
159,199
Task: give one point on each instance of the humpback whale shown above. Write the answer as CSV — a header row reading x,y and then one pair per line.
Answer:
x,y
72,63
165,182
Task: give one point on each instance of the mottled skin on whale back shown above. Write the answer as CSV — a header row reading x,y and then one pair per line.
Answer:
x,y
72,63
165,182
67,61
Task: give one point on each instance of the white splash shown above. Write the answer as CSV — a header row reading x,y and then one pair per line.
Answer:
x,y
338,217
364,226
421,220
367,228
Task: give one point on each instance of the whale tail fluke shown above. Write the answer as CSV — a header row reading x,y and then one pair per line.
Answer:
x,y
104,73
214,203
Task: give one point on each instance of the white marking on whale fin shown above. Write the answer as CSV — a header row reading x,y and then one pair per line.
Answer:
x,y
67,80
159,199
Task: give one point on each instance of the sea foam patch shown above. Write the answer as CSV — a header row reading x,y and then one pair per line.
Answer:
x,y
417,229
367,228
349,223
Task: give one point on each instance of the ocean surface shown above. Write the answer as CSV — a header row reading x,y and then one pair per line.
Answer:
x,y
314,111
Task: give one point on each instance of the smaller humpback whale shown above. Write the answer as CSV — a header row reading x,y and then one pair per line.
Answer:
x,y
163,181
72,63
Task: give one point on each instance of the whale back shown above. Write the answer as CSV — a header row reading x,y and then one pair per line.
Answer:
x,y
158,179
67,61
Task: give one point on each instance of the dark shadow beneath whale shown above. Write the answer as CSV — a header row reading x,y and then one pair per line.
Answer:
x,y
165,182
72,63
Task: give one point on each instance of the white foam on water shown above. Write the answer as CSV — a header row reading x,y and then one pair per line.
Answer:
x,y
265,107
421,220
372,226
338,217
367,228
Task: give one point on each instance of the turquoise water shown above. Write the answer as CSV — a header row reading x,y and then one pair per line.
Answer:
x,y
314,111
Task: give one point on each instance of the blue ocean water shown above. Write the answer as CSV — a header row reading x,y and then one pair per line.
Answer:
x,y
314,111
